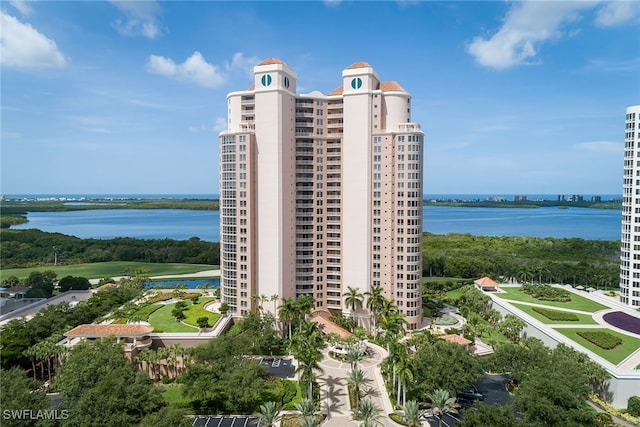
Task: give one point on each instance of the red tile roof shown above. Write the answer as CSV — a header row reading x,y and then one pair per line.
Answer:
x,y
391,86
270,61
358,65
99,331
321,317
336,91
456,339
486,282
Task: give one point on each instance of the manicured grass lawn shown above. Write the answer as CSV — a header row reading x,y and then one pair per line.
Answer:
x,y
583,319
99,270
163,321
145,312
616,355
193,312
454,294
577,302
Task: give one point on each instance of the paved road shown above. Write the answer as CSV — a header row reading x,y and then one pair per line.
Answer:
x,y
334,395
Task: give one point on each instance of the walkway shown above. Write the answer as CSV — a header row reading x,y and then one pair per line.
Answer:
x,y
334,396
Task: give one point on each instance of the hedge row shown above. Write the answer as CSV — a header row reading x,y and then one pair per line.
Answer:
x,y
546,293
602,339
556,315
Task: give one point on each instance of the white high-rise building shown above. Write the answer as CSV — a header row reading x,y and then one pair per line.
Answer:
x,y
630,245
319,193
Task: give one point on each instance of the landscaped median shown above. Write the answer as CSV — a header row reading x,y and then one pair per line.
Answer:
x,y
554,317
627,344
577,302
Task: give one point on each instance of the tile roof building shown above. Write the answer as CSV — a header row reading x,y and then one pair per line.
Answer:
x,y
321,192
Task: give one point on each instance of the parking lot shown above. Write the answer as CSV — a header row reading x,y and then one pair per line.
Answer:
x,y
279,366
492,388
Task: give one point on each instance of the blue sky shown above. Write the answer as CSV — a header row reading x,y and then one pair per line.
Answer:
x,y
129,97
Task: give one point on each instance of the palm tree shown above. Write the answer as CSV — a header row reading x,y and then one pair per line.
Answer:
x,y
375,301
304,306
442,403
411,413
287,312
31,353
353,299
274,299
268,414
368,413
306,407
356,379
308,362
404,373
355,355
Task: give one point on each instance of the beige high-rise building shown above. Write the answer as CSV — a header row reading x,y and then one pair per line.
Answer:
x,y
630,245
319,193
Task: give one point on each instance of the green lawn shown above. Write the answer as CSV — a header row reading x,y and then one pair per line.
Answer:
x,y
163,321
583,319
99,270
454,294
145,312
193,312
577,302
616,355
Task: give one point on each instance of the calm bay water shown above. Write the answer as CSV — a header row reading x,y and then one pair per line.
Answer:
x,y
584,223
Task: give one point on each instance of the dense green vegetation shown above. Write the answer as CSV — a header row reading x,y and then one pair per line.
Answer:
x,y
556,315
528,259
31,248
108,269
22,207
602,339
525,204
19,335
544,292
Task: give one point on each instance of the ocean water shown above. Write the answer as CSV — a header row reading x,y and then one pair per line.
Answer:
x,y
179,224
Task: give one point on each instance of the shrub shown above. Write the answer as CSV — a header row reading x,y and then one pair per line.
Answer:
x,y
546,293
556,315
602,339
203,322
633,406
290,391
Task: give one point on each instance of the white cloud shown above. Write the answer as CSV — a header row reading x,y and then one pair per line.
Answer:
x,y
526,26
197,70
600,147
141,18
240,62
22,46
617,13
219,125
22,7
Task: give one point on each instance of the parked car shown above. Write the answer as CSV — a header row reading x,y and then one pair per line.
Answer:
x,y
470,393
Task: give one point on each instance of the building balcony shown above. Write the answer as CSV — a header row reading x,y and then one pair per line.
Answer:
x,y
302,133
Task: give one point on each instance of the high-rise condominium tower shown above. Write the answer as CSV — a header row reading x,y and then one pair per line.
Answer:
x,y
630,245
319,193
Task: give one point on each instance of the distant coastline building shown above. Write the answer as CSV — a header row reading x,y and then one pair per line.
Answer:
x,y
319,193
630,244
520,198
